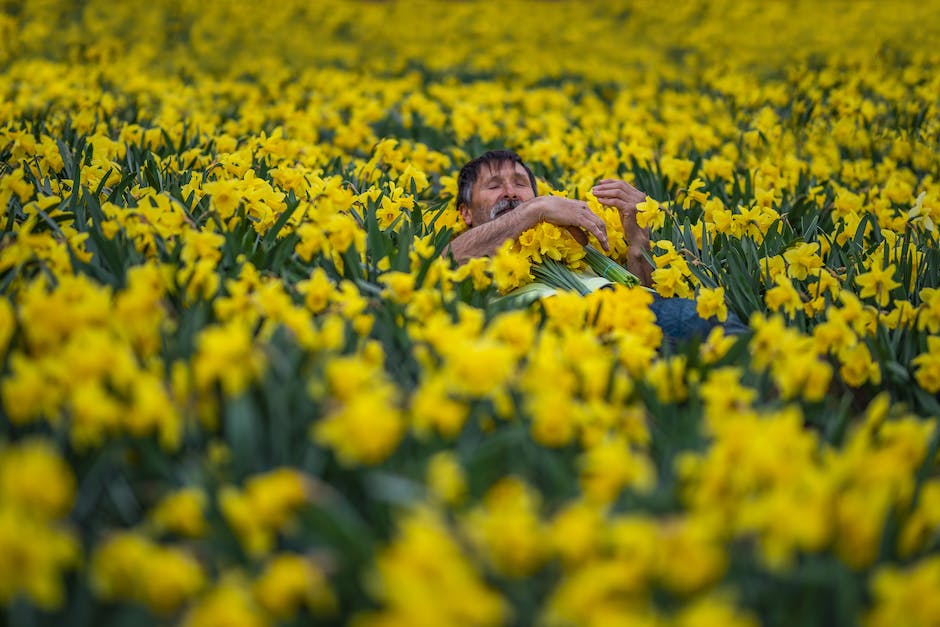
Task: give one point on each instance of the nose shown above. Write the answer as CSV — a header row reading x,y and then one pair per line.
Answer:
x,y
509,190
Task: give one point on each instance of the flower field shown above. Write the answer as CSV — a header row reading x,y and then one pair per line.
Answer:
x,y
242,382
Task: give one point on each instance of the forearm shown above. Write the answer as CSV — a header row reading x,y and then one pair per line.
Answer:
x,y
484,240
636,260
638,241
625,197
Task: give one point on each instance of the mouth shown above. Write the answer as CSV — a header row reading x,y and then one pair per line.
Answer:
x,y
505,206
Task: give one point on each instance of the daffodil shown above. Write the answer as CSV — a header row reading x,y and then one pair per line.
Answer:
x,y
878,282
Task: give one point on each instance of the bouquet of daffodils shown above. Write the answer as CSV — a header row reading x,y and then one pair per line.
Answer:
x,y
547,258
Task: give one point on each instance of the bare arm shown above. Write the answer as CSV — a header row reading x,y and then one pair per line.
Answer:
x,y
485,239
625,197
636,262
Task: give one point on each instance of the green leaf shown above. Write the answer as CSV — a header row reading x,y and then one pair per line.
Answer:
x,y
243,432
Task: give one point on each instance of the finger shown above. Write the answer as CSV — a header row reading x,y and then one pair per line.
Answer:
x,y
623,202
622,188
600,232
613,182
615,201
608,197
623,192
586,219
610,184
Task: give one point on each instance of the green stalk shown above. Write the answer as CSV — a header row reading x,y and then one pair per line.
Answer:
x,y
606,267
558,275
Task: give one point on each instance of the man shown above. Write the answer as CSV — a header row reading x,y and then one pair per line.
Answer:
x,y
498,199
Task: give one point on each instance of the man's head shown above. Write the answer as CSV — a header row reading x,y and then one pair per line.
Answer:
x,y
492,184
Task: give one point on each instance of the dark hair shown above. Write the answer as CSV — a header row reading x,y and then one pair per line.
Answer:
x,y
470,172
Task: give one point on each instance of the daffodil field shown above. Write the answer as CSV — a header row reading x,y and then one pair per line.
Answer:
x,y
243,383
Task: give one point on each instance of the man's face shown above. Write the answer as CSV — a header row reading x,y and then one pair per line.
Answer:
x,y
497,190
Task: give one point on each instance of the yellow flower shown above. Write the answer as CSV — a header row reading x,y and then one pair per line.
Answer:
x,y
923,216
343,232
229,604
514,329
478,367
95,414
906,596
387,212
650,215
275,495
509,269
201,245
784,296
476,269
575,533
858,366
802,373
670,282
399,286
33,557
553,417
723,393
265,507
676,170
290,582
433,406
920,527
227,355
711,302
129,566
7,324
413,175
694,194
714,610
604,591
255,537
181,512
14,183
445,478
317,290
928,366
903,314
36,480
507,530
226,197
611,465
716,345
928,314
877,282
365,429
802,259
423,577
689,554
313,241
667,376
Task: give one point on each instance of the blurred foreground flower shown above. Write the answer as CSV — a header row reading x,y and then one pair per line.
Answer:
x,y
423,578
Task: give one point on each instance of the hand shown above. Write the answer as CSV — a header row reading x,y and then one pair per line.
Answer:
x,y
573,214
625,198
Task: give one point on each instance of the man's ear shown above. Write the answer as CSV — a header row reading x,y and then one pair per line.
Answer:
x,y
464,213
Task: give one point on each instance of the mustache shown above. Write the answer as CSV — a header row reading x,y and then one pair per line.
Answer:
x,y
504,205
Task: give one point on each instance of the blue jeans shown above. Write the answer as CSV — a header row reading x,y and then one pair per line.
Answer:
x,y
679,320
